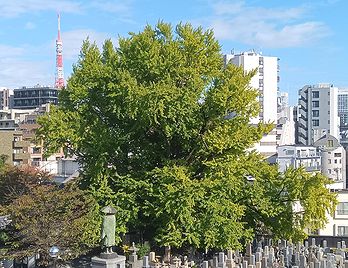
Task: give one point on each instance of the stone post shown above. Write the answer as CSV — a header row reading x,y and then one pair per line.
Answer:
x,y
167,256
248,250
152,256
146,262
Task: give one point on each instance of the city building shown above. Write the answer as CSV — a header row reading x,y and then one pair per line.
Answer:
x,y
6,98
6,120
266,81
333,160
343,115
285,121
9,119
338,223
17,138
34,97
296,156
68,169
318,113
14,147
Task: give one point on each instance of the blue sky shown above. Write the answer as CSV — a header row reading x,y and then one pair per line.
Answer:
x,y
309,36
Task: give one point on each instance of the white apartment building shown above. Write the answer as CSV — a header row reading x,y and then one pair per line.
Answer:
x,y
318,114
266,81
338,223
296,156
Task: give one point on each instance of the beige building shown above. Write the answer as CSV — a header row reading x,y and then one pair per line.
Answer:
x,y
13,146
17,139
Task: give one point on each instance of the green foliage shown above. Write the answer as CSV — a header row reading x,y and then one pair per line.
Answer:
x,y
3,159
143,249
43,215
3,237
152,125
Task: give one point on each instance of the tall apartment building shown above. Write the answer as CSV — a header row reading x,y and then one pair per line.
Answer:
x,y
266,81
6,98
343,115
318,114
34,97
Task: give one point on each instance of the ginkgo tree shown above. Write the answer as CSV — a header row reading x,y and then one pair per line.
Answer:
x,y
161,129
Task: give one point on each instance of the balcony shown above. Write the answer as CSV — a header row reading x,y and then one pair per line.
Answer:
x,y
314,168
28,135
21,156
21,144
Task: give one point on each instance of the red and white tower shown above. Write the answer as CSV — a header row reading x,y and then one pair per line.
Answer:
x,y
59,83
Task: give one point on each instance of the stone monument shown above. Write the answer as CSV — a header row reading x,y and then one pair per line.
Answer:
x,y
108,258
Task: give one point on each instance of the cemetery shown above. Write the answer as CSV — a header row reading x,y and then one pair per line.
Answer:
x,y
259,255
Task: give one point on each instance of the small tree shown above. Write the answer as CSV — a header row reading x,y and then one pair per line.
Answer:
x,y
43,215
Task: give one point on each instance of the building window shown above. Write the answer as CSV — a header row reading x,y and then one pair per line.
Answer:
x,y
315,122
315,94
342,230
315,113
335,161
342,208
337,154
329,161
290,152
260,82
330,143
315,104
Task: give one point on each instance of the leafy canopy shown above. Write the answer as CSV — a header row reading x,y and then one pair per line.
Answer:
x,y
42,215
161,128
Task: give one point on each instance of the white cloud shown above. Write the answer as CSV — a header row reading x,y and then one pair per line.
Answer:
x,y
221,8
9,51
15,8
112,6
265,27
72,41
17,71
